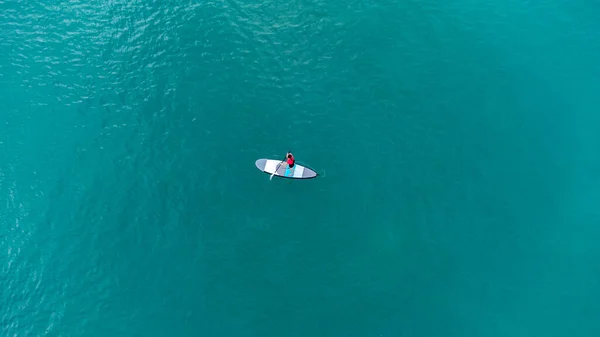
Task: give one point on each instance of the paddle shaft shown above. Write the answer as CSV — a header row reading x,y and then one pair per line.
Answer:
x,y
276,168
279,165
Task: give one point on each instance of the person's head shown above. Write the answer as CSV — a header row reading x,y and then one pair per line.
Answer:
x,y
289,155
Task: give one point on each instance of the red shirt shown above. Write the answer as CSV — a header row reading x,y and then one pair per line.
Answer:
x,y
291,161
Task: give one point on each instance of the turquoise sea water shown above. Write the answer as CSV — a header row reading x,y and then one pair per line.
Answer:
x,y
459,143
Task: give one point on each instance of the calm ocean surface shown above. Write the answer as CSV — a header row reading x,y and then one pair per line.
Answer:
x,y
459,143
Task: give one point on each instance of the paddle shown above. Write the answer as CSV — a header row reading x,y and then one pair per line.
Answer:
x,y
277,168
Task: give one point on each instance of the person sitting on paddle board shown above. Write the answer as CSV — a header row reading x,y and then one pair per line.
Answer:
x,y
290,161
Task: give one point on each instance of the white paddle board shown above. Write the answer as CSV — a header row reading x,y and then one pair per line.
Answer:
x,y
297,172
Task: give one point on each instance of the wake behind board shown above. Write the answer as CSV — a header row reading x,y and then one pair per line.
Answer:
x,y
297,172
